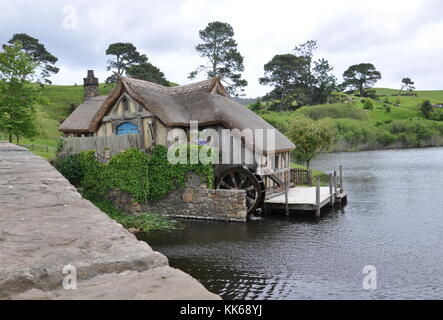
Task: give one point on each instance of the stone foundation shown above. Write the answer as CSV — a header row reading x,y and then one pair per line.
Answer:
x,y
194,201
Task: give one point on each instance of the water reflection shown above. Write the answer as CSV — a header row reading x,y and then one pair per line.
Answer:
x,y
394,221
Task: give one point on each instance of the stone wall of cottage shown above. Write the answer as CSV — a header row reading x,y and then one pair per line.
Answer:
x,y
193,201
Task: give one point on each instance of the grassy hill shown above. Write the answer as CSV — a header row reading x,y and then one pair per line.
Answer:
x,y
390,121
436,96
62,99
358,129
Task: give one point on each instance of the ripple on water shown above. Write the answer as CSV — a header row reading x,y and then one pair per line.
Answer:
x,y
394,221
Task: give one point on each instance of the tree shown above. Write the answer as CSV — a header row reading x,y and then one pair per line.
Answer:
x,y
17,96
45,61
283,73
126,55
310,138
325,82
224,59
298,78
408,84
361,77
317,79
148,72
426,109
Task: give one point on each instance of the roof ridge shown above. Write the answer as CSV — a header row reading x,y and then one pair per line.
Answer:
x,y
183,89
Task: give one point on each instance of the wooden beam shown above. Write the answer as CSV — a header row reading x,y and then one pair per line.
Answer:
x,y
335,182
341,179
286,196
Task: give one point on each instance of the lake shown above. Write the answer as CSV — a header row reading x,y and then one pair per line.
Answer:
x,y
393,221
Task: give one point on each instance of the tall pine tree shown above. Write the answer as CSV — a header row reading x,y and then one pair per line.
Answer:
x,y
223,58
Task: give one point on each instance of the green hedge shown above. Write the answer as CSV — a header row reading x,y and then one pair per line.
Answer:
x,y
362,135
335,110
133,172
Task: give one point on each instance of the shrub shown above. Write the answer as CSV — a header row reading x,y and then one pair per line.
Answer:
x,y
367,104
280,120
256,105
426,109
413,132
133,172
437,114
69,167
336,110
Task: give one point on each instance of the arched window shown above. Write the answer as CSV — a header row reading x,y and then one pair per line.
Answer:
x,y
127,128
125,102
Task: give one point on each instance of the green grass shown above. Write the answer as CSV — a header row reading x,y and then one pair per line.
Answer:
x,y
436,96
45,148
393,122
324,177
60,98
142,223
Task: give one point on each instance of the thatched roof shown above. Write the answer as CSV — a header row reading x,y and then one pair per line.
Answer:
x,y
206,102
80,119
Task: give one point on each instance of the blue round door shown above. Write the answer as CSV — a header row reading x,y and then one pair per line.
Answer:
x,y
127,128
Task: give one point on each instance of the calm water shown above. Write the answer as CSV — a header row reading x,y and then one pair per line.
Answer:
x,y
393,220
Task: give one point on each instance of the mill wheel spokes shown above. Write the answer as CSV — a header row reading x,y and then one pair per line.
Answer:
x,y
243,178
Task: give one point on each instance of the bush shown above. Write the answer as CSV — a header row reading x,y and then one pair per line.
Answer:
x,y
367,104
280,120
426,109
413,133
69,167
336,110
133,172
437,114
359,135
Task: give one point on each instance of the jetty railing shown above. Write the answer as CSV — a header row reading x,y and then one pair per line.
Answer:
x,y
301,177
101,144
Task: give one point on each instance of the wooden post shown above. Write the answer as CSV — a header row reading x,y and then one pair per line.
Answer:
x,y
335,182
310,177
331,193
341,179
286,195
317,197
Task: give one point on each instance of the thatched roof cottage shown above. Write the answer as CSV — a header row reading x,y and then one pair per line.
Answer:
x,y
148,112
151,110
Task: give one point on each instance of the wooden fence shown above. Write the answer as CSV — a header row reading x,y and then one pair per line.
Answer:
x,y
301,177
100,144
37,147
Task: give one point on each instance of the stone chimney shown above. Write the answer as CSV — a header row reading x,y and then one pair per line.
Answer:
x,y
90,84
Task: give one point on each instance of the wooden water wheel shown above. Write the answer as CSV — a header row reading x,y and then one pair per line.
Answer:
x,y
244,178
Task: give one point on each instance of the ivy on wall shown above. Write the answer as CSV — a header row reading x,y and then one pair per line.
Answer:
x,y
133,172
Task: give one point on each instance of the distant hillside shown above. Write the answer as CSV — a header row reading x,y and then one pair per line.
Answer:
x,y
388,122
435,96
61,98
378,128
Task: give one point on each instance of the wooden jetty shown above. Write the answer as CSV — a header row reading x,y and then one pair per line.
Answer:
x,y
310,198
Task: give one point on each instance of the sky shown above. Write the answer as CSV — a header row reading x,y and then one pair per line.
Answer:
x,y
401,38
